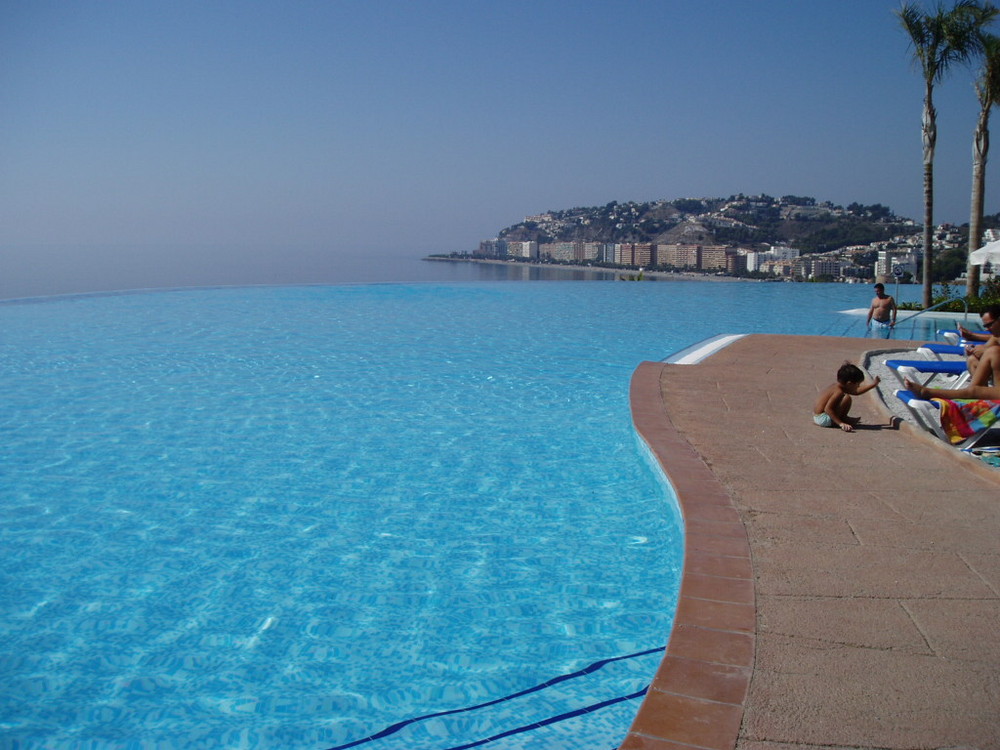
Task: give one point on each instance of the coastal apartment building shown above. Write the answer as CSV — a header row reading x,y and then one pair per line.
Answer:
x,y
736,263
502,249
638,254
527,250
493,248
713,258
812,268
777,267
696,257
888,259
778,257
679,256
563,251
577,251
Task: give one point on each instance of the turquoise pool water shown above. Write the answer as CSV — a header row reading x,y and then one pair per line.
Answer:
x,y
299,517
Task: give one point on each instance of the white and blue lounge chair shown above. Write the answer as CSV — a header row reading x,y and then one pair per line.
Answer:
x,y
915,368
955,338
933,350
928,414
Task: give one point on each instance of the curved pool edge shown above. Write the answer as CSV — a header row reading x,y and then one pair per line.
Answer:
x,y
698,694
695,353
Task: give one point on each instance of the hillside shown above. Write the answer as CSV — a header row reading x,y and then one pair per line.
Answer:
x,y
738,220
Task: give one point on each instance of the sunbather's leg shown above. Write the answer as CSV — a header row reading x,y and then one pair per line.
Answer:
x,y
986,392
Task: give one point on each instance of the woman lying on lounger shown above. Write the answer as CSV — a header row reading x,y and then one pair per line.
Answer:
x,y
978,387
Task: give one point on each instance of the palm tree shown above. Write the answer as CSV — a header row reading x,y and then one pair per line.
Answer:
x,y
940,38
988,92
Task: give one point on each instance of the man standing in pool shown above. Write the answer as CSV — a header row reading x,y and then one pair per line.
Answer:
x,y
882,313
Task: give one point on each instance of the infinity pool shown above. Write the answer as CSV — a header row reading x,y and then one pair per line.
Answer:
x,y
307,516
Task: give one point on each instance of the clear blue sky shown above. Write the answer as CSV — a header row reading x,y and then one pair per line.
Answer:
x,y
224,132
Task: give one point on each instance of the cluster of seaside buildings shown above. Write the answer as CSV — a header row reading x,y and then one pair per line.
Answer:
x,y
686,257
904,253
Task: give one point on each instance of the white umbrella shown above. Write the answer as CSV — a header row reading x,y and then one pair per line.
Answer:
x,y
988,253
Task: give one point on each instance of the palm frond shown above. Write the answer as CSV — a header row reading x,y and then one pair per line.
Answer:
x,y
988,83
944,36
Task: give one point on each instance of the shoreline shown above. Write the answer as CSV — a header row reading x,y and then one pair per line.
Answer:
x,y
665,275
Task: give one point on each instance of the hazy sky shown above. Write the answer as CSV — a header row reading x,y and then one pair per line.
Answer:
x,y
231,137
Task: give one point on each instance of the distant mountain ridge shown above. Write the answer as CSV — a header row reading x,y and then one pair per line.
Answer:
x,y
739,220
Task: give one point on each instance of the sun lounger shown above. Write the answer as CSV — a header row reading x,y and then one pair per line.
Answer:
x,y
937,350
914,368
963,423
955,338
934,350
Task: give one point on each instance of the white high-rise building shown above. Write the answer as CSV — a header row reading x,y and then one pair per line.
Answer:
x,y
522,249
888,259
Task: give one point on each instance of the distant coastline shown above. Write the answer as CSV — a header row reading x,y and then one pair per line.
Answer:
x,y
622,273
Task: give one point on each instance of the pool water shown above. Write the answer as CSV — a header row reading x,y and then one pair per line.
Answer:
x,y
304,516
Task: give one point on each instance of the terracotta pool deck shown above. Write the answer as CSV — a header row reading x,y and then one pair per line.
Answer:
x,y
840,590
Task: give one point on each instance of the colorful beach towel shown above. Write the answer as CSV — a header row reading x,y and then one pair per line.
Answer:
x,y
963,418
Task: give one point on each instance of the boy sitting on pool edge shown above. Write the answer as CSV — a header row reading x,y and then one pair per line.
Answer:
x,y
833,406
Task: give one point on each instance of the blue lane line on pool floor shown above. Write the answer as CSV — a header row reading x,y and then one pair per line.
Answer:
x,y
554,719
392,729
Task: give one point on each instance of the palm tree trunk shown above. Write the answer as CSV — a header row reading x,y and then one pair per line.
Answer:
x,y
929,128
980,152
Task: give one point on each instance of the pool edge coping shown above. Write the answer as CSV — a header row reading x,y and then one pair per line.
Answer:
x,y
698,694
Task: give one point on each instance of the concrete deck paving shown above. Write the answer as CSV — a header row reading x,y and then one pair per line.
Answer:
x,y
840,590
